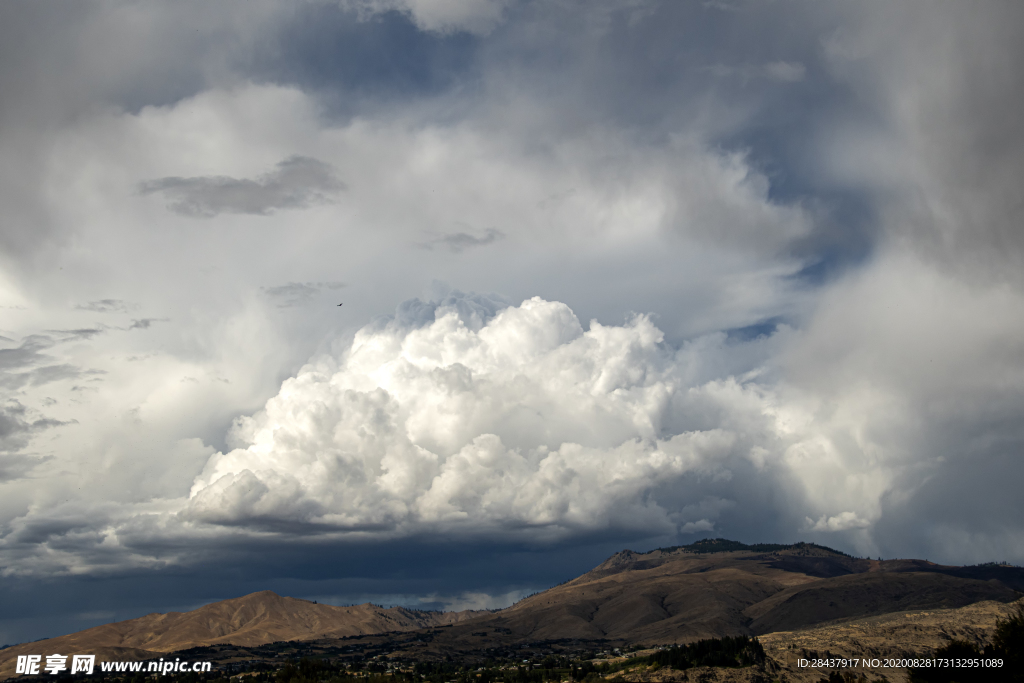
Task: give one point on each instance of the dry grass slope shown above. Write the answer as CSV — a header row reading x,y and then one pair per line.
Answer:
x,y
679,596
254,619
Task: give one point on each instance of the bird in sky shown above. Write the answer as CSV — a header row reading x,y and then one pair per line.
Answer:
x,y
341,304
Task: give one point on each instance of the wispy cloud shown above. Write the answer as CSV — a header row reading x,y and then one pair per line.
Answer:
x,y
145,323
297,182
27,365
299,293
76,334
108,306
456,242
29,352
841,522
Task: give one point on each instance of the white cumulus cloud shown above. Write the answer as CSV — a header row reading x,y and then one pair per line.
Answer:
x,y
475,420
841,522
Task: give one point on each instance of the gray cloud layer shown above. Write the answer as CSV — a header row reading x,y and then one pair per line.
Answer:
x,y
296,183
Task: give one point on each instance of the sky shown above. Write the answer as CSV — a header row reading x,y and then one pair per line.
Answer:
x,y
614,275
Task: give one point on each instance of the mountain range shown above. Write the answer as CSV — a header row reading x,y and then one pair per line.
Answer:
x,y
711,588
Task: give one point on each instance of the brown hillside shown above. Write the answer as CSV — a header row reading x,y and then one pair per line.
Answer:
x,y
897,635
678,596
709,589
254,619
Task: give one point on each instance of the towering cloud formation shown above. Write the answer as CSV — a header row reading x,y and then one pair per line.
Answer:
x,y
458,416
469,416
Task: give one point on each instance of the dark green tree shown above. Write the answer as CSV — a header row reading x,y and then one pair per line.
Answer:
x,y
1008,644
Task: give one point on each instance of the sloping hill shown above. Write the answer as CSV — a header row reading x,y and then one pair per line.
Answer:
x,y
254,619
711,588
896,635
717,588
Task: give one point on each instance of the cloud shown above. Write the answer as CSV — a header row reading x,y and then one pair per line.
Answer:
x,y
16,364
454,425
299,293
949,158
458,241
473,600
144,323
701,525
442,16
841,522
170,57
18,466
924,370
17,426
296,183
76,334
28,353
721,5
818,205
43,375
471,416
785,72
107,306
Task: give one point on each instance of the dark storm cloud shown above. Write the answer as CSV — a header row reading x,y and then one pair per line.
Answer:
x,y
187,572
41,607
959,122
456,242
969,493
753,80
358,61
296,183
